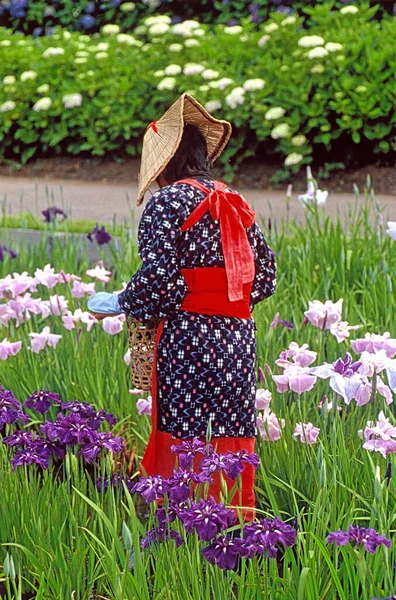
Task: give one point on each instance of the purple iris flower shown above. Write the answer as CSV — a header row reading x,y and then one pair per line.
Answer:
x,y
101,236
18,438
161,534
42,401
277,321
102,440
4,250
188,450
361,536
207,517
17,9
213,462
45,446
87,411
37,31
87,21
234,462
50,214
284,9
179,484
89,8
151,488
30,456
70,429
232,22
224,552
10,409
116,480
343,375
166,515
264,536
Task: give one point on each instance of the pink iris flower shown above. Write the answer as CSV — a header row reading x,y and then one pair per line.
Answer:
x,y
43,339
365,391
144,405
58,305
263,399
47,276
300,354
324,315
299,379
99,272
6,314
341,330
373,343
113,325
70,319
23,306
269,426
307,433
17,284
379,437
81,289
9,348
67,277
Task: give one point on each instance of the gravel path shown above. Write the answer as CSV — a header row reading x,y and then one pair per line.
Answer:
x,y
107,201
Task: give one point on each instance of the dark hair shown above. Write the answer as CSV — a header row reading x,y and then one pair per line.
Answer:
x,y
191,158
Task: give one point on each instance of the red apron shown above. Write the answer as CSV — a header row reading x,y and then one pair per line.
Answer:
x,y
213,291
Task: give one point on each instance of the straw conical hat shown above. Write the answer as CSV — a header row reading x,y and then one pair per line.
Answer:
x,y
162,138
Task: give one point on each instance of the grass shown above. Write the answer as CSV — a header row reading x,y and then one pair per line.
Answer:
x,y
61,538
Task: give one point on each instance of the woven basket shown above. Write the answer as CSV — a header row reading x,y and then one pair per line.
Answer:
x,y
142,343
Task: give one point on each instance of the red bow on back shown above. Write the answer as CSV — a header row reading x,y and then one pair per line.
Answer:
x,y
234,215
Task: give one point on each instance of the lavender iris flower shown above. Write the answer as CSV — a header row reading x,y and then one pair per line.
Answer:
x,y
42,401
50,214
207,517
361,536
161,534
151,488
224,552
101,235
343,375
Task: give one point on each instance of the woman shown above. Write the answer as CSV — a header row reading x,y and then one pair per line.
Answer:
x,y
205,265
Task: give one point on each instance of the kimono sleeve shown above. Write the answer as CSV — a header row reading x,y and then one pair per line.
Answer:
x,y
157,289
264,282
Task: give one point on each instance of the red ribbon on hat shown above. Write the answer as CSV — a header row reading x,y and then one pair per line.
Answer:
x,y
234,215
153,126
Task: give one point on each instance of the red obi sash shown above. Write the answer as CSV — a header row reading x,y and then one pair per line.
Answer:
x,y
207,294
234,216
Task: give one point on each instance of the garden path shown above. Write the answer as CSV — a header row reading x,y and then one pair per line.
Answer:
x,y
105,201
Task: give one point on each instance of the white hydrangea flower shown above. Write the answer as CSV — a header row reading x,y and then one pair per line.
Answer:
x,y
310,41
158,29
176,47
26,75
84,38
263,40
271,27
293,159
319,68
251,85
213,105
349,10
101,47
317,53
110,29
173,70
5,43
221,84
280,131
9,80
290,20
52,51
98,55
82,53
42,104
90,73
159,73
7,106
66,35
340,58
193,69
72,100
157,19
125,38
186,28
167,83
199,32
210,74
80,60
140,30
333,46
191,43
233,29
298,140
127,7
244,38
235,97
43,89
203,88
276,112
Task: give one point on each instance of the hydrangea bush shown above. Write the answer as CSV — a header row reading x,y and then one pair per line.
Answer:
x,y
324,93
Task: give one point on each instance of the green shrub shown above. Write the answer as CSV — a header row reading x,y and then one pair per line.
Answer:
x,y
338,107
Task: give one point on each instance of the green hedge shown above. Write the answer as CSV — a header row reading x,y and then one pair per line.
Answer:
x,y
339,107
